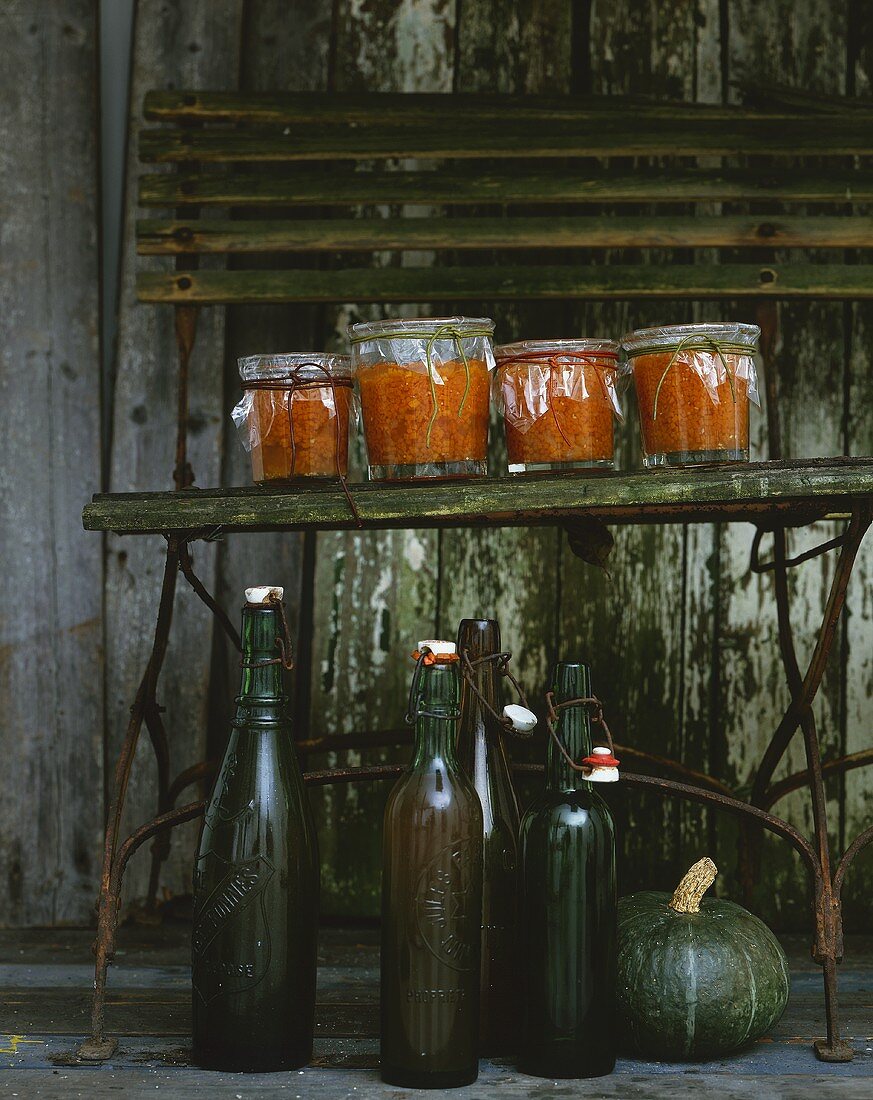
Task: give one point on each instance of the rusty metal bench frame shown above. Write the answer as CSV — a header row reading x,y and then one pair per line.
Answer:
x,y
202,131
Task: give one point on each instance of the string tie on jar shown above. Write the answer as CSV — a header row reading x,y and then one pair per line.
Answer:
x,y
600,362
444,332
698,343
295,382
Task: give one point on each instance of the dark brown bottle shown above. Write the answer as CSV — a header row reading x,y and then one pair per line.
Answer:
x,y
256,881
568,907
432,896
483,757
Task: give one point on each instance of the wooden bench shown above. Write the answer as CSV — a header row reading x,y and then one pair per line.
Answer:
x,y
499,156
320,180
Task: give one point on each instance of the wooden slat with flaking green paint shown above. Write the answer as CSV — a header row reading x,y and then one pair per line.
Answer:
x,y
373,595
858,654
805,361
422,284
275,52
825,485
621,137
415,108
631,626
366,234
176,42
510,575
305,186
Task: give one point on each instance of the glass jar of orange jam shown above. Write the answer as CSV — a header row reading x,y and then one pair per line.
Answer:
x,y
424,386
693,385
559,403
294,415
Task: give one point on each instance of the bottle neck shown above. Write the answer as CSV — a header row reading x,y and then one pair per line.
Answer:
x,y
261,683
477,638
437,710
570,681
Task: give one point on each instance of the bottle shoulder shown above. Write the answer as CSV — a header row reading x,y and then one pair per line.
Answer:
x,y
568,807
435,789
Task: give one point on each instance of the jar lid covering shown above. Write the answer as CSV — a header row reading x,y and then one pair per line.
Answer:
x,y
307,366
644,340
529,349
421,326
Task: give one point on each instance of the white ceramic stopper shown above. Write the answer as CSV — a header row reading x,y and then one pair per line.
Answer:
x,y
437,648
521,718
264,594
602,775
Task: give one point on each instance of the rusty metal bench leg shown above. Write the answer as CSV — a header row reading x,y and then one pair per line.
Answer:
x,y
827,949
97,1047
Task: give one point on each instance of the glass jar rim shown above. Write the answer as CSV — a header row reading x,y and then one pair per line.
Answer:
x,y
307,366
738,333
410,327
528,349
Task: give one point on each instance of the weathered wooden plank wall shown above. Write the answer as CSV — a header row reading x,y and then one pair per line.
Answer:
x,y
794,44
857,722
177,43
374,593
681,638
51,657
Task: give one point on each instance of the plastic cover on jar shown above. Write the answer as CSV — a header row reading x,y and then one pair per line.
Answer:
x,y
415,342
703,347
424,387
555,368
288,417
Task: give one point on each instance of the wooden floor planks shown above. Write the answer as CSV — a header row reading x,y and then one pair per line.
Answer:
x,y
45,980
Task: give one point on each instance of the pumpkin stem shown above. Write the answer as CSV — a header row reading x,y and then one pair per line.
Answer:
x,y
689,893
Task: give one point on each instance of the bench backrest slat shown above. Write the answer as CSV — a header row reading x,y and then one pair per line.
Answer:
x,y
540,174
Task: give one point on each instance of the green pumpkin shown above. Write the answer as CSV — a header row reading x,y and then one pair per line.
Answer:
x,y
696,979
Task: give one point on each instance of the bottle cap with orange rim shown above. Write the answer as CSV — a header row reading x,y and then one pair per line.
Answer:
x,y
436,651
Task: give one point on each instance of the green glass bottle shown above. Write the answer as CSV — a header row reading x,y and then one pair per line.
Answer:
x,y
568,908
483,757
432,895
256,879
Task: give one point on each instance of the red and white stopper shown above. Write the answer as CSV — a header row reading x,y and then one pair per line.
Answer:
x,y
603,765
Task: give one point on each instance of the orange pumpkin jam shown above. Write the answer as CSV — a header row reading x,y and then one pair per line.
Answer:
x,y
294,414
559,403
688,420
397,405
314,424
693,385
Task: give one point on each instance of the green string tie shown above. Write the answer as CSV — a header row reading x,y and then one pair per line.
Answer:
x,y
444,332
697,343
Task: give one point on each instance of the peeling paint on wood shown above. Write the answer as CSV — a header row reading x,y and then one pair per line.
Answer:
x,y
795,44
177,44
631,627
858,633
375,594
277,53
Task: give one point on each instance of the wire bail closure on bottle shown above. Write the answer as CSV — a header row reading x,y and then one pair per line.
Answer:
x,y
519,725
425,656
283,641
598,761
